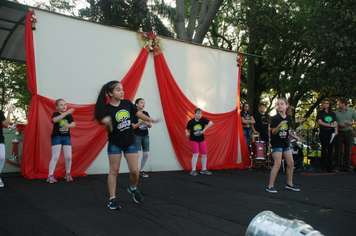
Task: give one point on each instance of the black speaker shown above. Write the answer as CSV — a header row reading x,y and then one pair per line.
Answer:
x,y
297,157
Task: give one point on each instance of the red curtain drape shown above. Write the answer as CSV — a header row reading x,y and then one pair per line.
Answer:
x,y
221,138
88,138
244,150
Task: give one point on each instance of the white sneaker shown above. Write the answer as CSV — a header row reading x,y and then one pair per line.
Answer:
x,y
1,183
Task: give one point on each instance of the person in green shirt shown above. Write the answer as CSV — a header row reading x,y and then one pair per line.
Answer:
x,y
345,118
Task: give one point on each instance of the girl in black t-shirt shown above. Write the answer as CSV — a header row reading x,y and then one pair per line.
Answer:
x,y
247,122
62,123
280,127
197,128
117,118
328,127
3,121
141,134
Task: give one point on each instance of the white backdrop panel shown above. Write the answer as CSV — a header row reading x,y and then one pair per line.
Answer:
x,y
74,58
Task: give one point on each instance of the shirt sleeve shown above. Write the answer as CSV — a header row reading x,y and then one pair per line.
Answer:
x,y
70,119
274,122
206,121
54,114
188,125
133,108
289,119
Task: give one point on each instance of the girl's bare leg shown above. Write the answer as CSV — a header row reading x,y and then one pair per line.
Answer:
x,y
114,161
276,166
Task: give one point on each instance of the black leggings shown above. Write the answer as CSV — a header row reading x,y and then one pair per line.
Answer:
x,y
326,162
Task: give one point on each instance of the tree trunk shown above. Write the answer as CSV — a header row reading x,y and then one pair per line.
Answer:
x,y
180,24
251,60
192,19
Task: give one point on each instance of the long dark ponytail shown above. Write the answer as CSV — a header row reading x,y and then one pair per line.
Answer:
x,y
99,109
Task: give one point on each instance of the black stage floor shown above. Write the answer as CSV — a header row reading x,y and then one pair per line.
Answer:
x,y
175,203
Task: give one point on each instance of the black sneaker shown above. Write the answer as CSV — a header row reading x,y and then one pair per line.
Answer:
x,y
136,195
293,188
271,190
113,205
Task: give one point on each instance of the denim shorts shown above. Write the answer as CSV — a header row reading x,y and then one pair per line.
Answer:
x,y
114,149
281,149
142,141
61,140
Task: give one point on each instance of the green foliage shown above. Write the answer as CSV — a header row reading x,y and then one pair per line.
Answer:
x,y
307,49
60,6
130,14
14,88
223,33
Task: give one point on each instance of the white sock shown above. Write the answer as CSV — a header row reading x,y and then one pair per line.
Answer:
x,y
203,161
67,150
56,151
144,160
194,161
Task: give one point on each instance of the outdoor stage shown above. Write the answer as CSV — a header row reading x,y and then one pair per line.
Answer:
x,y
175,203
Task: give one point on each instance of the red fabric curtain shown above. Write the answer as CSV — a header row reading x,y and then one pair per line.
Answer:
x,y
244,151
30,133
88,137
221,138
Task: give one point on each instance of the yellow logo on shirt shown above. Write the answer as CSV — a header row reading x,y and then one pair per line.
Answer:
x,y
123,118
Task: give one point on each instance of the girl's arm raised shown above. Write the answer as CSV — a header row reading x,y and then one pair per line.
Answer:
x,y
61,116
136,125
70,125
7,120
146,118
276,130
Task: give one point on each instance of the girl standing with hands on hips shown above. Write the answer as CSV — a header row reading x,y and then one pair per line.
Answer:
x,y
117,117
62,123
4,121
141,134
247,122
197,127
280,127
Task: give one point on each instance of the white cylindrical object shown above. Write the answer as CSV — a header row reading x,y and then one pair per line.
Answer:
x,y
267,223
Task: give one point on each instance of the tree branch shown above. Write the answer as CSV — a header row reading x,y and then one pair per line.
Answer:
x,y
192,18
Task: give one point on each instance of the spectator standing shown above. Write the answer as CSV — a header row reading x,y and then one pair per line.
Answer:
x,y
247,121
261,125
328,127
345,118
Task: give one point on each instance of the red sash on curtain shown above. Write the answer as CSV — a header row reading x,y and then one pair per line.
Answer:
x,y
88,137
221,138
